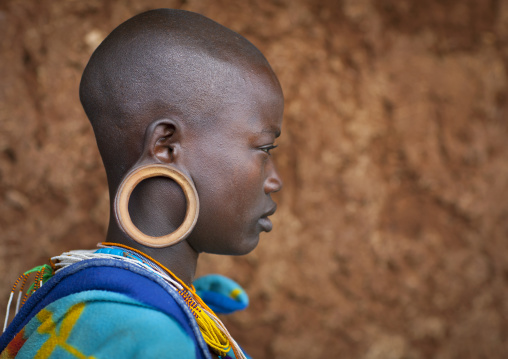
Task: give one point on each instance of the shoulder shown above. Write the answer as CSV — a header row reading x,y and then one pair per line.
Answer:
x,y
109,302
105,325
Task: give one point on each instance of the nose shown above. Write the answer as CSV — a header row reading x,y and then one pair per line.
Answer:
x,y
273,182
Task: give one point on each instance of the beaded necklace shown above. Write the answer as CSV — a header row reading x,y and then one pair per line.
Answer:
x,y
42,274
213,330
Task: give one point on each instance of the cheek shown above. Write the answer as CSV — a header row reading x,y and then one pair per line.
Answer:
x,y
228,180
237,193
214,183
231,200
246,182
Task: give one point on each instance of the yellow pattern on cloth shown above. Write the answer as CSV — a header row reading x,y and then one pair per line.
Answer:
x,y
59,337
235,293
214,332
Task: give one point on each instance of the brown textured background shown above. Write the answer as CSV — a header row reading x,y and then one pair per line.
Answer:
x,y
391,238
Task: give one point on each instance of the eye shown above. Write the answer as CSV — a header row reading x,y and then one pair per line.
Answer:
x,y
267,149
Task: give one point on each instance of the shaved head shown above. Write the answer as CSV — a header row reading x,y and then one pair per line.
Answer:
x,y
162,64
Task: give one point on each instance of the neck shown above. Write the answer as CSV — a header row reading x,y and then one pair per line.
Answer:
x,y
157,206
181,258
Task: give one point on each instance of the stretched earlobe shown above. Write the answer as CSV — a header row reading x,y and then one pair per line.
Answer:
x,y
121,204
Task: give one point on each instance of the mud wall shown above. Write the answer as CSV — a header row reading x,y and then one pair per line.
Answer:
x,y
391,237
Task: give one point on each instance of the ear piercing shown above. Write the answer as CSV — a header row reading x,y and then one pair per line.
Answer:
x,y
121,205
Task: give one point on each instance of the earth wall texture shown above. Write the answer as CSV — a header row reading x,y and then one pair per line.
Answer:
x,y
391,237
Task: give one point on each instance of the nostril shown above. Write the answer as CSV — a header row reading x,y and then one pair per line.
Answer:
x,y
273,184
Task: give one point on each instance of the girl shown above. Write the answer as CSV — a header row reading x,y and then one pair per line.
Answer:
x,y
185,114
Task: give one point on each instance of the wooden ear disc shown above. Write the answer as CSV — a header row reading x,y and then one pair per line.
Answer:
x,y
121,206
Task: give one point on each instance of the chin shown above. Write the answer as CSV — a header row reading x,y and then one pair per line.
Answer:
x,y
244,250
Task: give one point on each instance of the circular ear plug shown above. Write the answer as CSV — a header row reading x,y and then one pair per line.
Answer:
x,y
121,205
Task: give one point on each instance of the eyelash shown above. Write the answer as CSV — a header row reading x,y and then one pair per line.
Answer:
x,y
267,149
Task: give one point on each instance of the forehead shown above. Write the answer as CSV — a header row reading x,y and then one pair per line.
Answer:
x,y
252,103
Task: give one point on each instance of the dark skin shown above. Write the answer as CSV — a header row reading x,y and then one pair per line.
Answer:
x,y
172,87
234,212
176,88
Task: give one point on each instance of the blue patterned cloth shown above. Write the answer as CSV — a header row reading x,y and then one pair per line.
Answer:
x,y
107,308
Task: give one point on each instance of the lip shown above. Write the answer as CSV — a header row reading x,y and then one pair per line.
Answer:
x,y
265,222
270,212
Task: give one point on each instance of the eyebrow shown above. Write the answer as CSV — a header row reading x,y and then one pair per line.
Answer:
x,y
272,130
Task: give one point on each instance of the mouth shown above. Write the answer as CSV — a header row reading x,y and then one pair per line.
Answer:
x,y
265,222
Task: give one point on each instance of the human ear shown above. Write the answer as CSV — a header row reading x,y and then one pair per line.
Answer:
x,y
161,140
